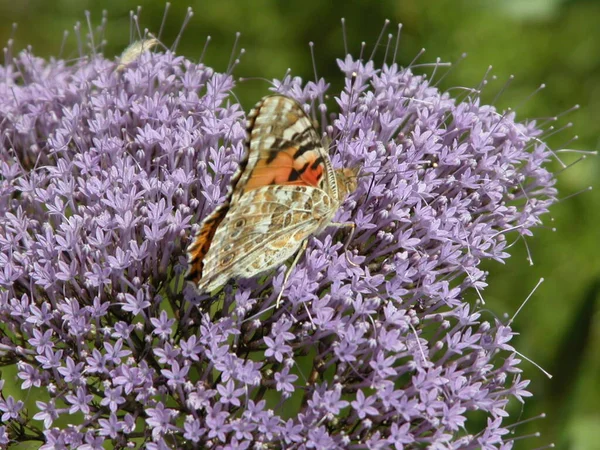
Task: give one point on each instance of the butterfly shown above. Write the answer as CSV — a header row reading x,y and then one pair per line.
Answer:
x,y
284,191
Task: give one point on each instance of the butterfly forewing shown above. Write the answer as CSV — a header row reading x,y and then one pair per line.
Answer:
x,y
284,147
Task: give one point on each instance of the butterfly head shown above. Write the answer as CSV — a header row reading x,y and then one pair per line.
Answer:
x,y
346,181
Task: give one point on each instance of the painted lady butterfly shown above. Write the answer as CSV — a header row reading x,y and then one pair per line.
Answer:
x,y
284,191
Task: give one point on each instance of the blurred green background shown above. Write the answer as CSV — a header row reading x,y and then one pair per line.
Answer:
x,y
556,42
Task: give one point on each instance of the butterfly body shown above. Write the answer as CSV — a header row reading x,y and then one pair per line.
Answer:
x,y
284,191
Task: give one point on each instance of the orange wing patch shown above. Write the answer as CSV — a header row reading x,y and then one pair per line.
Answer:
x,y
201,245
289,166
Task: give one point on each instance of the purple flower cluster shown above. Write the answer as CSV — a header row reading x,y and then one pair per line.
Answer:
x,y
104,177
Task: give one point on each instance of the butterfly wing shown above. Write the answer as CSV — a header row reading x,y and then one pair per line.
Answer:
x,y
262,232
284,149
203,241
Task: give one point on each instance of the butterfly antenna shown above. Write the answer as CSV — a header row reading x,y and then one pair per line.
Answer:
x,y
370,187
355,209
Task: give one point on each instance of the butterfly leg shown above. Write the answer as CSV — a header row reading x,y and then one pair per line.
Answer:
x,y
352,227
289,271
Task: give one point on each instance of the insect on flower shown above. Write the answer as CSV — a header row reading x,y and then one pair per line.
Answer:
x,y
284,191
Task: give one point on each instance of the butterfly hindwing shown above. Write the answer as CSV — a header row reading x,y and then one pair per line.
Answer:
x,y
262,233
202,242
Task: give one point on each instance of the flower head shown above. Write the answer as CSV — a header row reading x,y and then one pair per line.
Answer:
x,y
104,177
